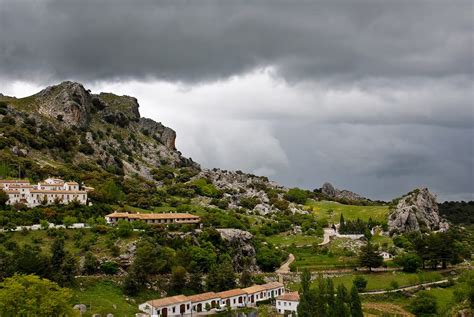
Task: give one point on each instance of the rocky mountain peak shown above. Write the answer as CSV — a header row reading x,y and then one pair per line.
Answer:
x,y
69,102
329,190
416,211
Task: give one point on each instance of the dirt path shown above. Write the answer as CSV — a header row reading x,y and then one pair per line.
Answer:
x,y
406,288
285,267
328,233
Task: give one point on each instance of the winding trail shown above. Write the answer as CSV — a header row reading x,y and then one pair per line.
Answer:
x,y
285,267
405,288
328,233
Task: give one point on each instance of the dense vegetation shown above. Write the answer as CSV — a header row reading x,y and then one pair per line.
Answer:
x,y
458,212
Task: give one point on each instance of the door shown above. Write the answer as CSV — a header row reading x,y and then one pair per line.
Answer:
x,y
164,312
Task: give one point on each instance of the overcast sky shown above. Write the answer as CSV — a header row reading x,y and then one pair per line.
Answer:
x,y
373,96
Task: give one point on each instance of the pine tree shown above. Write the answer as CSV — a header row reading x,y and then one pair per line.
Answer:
x,y
369,257
356,306
305,307
330,298
341,307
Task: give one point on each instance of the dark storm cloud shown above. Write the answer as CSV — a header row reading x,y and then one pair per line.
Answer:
x,y
207,40
375,96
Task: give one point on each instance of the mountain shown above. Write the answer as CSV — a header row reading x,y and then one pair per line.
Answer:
x,y
101,140
416,211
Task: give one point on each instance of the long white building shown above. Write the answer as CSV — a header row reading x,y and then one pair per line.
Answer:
x,y
50,191
208,302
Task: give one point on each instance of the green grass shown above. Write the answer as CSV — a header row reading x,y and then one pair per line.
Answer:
x,y
332,211
444,297
283,240
382,281
105,296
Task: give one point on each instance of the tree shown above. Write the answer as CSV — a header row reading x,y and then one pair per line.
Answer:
x,y
109,267
90,264
3,198
178,280
30,295
410,262
341,307
356,306
69,221
307,298
124,229
369,257
296,195
423,304
221,276
360,282
245,278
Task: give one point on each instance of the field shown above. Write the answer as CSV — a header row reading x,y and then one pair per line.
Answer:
x,y
284,240
332,211
383,281
105,296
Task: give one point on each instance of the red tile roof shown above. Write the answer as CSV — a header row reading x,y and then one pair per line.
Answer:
x,y
292,296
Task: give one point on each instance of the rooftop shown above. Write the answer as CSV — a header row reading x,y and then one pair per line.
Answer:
x,y
203,297
157,303
232,293
152,216
292,296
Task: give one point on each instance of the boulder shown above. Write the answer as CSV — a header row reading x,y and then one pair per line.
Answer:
x,y
241,243
81,308
416,211
329,190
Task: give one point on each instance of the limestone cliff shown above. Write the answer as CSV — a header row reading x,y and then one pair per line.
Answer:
x,y
416,211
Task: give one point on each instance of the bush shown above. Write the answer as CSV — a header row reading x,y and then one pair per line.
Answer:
x,y
297,195
360,283
109,267
409,261
423,304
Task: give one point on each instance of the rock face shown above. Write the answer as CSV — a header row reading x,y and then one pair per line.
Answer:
x,y
67,102
105,129
241,243
416,211
329,190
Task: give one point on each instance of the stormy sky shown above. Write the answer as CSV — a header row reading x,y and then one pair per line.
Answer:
x,y
373,96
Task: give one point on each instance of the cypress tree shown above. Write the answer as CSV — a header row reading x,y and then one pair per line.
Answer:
x,y
305,307
356,306
341,307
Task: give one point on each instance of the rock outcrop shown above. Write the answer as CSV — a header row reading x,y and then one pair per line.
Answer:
x,y
416,211
329,190
68,102
240,242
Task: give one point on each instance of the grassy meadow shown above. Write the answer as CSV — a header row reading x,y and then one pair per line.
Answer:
x,y
332,211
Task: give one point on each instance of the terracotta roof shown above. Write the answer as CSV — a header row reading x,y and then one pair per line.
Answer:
x,y
51,185
203,297
231,293
72,183
157,303
254,289
14,181
152,216
292,296
272,285
11,191
52,191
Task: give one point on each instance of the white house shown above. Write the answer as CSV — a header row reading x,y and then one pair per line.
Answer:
x,y
273,289
200,302
255,293
169,306
154,218
234,298
50,191
386,256
288,303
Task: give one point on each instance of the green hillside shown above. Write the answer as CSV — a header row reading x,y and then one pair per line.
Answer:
x,y
332,211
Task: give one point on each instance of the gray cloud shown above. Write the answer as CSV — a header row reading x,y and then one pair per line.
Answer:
x,y
207,40
375,96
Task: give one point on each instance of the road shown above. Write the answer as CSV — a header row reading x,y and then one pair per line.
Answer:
x,y
406,288
285,267
328,233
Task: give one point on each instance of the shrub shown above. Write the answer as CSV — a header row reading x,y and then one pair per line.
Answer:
x,y
423,304
360,283
109,267
296,195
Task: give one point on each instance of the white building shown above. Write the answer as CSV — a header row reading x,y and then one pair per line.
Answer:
x,y
50,191
386,256
154,218
201,302
233,298
173,306
288,303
